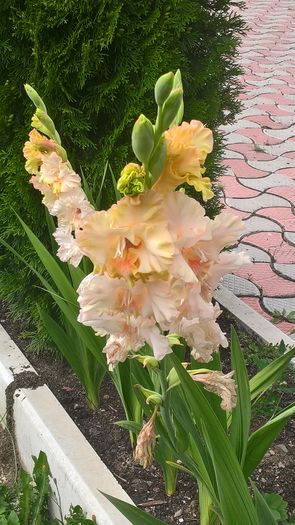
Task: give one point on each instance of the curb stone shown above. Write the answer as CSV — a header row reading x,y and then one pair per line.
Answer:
x,y
39,422
261,329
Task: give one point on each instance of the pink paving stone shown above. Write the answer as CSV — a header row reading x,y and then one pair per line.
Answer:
x,y
249,151
254,303
269,282
242,169
289,172
274,244
242,214
232,188
265,121
283,216
274,110
290,154
258,136
278,99
288,192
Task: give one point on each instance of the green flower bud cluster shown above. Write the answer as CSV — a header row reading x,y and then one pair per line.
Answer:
x,y
132,180
41,120
148,141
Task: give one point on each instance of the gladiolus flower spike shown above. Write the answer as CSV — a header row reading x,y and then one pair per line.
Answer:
x,y
156,257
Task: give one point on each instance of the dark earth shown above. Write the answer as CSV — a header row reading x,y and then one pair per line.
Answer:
x,y
145,487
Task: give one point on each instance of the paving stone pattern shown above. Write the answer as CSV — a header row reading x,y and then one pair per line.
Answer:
x,y
259,183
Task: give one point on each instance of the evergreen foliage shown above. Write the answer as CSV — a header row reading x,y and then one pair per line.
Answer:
x,y
95,63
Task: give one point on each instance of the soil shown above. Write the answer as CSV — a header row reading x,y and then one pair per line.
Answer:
x,y
8,465
275,474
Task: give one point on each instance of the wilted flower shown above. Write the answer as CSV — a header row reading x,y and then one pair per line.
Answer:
x,y
144,451
187,148
221,384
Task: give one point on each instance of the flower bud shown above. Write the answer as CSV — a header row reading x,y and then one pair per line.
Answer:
x,y
144,451
143,139
132,180
146,360
35,98
171,107
163,88
150,395
158,159
43,123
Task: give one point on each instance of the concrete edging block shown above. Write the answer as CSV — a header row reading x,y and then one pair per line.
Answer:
x,y
253,323
41,423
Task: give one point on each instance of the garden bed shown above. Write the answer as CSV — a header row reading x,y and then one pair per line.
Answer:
x,y
145,487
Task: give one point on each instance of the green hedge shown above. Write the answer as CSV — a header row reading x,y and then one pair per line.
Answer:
x,y
95,63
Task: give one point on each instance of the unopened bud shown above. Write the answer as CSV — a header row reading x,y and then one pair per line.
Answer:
x,y
43,123
143,139
144,451
158,159
146,360
151,396
163,88
35,97
132,180
171,107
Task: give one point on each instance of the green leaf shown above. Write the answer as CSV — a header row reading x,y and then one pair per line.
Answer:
x,y
261,440
133,514
277,504
236,505
13,519
241,414
129,425
271,373
265,515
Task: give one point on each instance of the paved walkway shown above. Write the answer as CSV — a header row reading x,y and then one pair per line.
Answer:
x,y
260,156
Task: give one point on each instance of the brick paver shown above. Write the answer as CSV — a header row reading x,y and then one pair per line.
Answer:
x,y
259,184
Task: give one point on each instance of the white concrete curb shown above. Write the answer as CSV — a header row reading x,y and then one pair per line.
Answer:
x,y
253,323
41,423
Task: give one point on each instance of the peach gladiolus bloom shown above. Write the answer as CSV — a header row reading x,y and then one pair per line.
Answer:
x,y
187,148
130,239
34,149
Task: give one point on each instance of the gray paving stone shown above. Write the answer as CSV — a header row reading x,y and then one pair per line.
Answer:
x,y
279,149
279,303
240,286
229,154
255,203
288,107
255,101
284,119
272,165
239,124
290,236
237,138
267,82
262,91
263,183
286,269
261,224
256,254
251,112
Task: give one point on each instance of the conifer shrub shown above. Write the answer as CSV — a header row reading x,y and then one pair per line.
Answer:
x,y
95,64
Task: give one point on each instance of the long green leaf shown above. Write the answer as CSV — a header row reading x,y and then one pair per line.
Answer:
x,y
241,415
272,372
64,343
235,502
51,265
133,514
264,513
261,440
85,333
